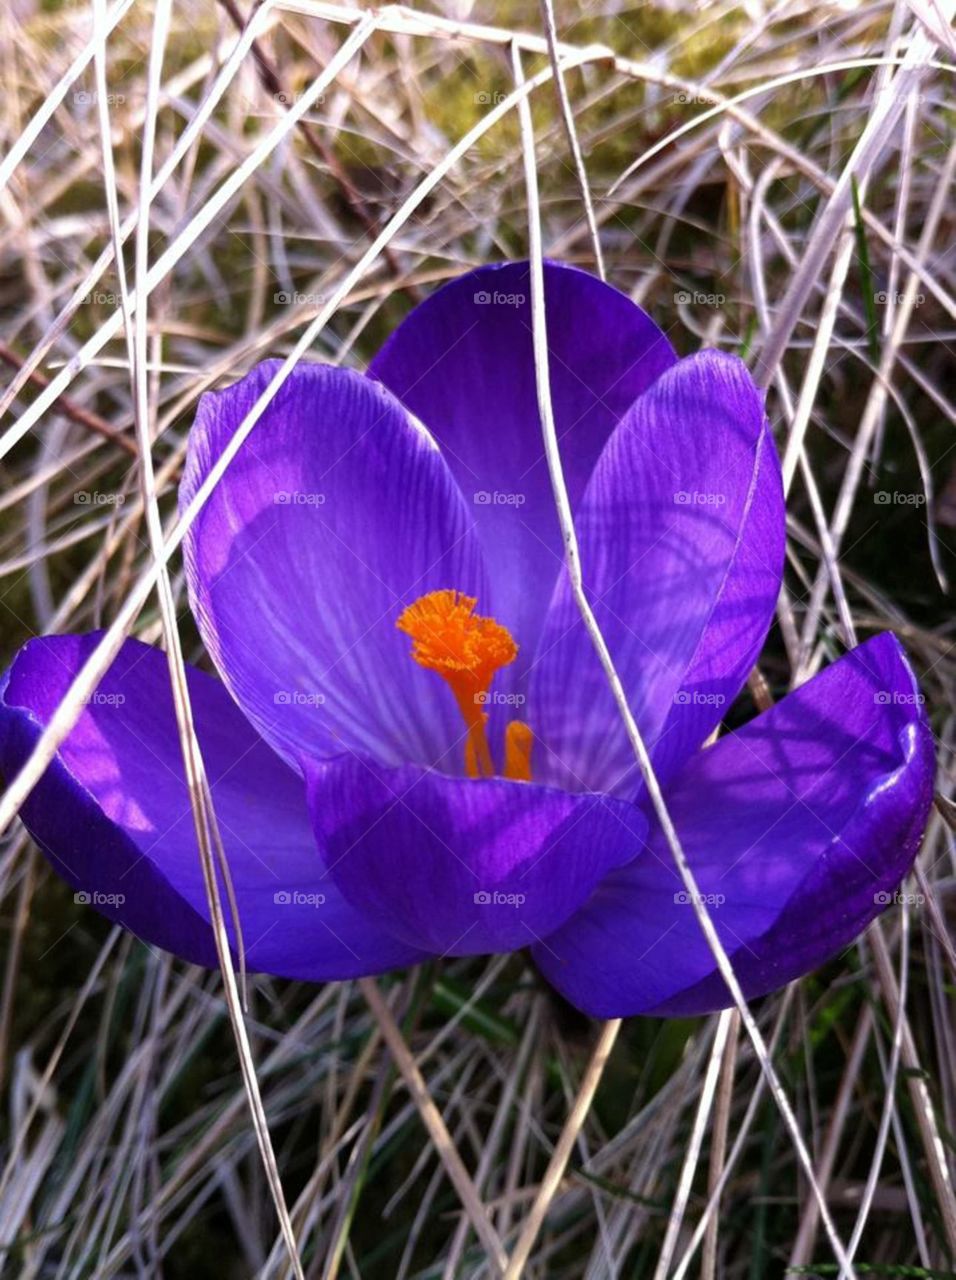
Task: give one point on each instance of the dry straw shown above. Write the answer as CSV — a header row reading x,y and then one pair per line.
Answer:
x,y
238,156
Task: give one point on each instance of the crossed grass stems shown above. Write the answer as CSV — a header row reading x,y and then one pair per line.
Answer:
x,y
132,320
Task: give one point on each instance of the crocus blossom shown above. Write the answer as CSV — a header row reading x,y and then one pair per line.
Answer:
x,y
412,747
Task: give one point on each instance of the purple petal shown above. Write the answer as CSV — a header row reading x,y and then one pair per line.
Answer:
x,y
798,828
464,866
463,363
682,538
336,513
112,815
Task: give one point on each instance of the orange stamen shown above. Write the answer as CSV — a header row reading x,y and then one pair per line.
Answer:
x,y
466,650
518,743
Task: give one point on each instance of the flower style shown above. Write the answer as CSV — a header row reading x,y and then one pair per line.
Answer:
x,y
413,749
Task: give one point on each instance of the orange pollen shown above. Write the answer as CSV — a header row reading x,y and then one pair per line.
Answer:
x,y
466,650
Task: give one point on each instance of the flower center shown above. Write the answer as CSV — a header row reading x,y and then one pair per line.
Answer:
x,y
466,650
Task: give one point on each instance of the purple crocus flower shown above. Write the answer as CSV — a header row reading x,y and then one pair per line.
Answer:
x,y
413,750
